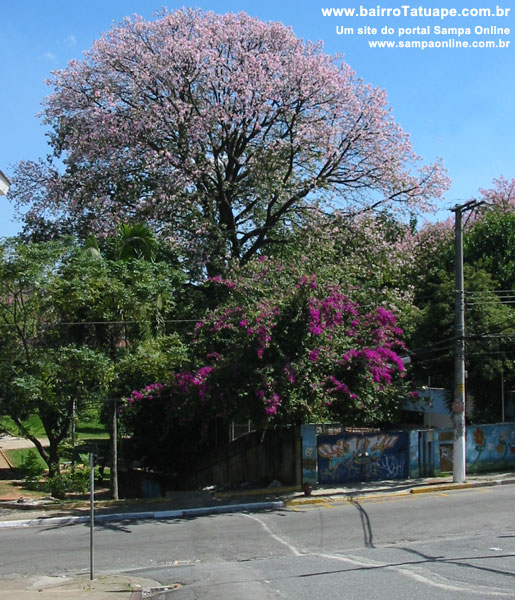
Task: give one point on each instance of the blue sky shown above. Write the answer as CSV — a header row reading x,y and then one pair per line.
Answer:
x,y
456,103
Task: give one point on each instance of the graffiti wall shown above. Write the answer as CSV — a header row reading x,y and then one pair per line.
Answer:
x,y
490,447
332,457
362,456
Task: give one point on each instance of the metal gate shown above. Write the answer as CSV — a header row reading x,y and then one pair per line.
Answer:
x,y
362,456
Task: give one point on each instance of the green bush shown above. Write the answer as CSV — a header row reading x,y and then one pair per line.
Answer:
x,y
32,469
80,480
74,481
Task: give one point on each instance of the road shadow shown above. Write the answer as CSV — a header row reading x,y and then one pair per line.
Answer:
x,y
459,561
365,524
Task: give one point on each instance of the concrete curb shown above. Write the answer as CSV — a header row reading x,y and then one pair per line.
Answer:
x,y
433,488
343,499
259,492
133,516
460,486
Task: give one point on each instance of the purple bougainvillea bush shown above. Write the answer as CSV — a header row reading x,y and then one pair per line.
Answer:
x,y
286,348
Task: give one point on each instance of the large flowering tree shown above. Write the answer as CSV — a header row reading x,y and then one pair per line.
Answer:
x,y
220,131
284,348
501,195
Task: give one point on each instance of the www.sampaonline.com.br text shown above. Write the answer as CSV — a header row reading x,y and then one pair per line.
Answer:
x,y
429,44
406,10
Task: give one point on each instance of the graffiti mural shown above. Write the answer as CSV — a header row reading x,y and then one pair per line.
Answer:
x,y
362,457
490,447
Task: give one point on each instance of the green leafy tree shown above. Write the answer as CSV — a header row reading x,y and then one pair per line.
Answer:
x,y
490,244
39,376
71,323
489,315
56,384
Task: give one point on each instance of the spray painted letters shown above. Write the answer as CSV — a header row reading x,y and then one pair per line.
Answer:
x,y
362,457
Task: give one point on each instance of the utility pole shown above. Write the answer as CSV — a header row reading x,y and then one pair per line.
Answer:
x,y
458,406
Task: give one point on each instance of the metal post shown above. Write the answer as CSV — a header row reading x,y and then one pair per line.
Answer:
x,y
458,406
91,512
114,452
74,410
502,394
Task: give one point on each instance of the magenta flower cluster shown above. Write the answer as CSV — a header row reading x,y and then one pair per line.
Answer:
x,y
330,312
185,392
342,354
270,401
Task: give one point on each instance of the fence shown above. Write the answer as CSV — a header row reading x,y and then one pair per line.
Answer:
x,y
331,454
257,458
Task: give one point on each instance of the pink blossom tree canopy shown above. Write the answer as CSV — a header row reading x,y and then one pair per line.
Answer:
x,y
219,131
501,196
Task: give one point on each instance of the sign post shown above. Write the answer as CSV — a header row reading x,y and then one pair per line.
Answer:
x,y
91,512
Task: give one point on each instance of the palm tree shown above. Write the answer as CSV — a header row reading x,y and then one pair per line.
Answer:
x,y
136,241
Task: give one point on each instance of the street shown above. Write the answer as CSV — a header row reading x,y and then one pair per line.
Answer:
x,y
458,544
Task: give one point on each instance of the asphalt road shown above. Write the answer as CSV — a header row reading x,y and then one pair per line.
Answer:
x,y
457,545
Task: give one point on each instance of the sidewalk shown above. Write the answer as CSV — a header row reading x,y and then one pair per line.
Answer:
x,y
402,487
187,505
76,588
27,513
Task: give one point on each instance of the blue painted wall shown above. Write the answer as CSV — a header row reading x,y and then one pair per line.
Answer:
x,y
309,453
488,448
346,457
350,457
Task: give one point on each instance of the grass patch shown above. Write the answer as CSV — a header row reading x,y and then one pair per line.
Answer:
x,y
33,424
89,430
19,456
88,427
29,465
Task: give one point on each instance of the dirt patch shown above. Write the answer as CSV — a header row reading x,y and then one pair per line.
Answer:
x,y
8,442
12,489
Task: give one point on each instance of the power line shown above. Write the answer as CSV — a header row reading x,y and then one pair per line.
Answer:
x,y
120,322
481,291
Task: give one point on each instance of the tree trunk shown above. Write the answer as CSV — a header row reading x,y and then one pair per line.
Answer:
x,y
54,471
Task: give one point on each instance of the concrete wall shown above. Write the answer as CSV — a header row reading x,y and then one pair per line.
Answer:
x,y
345,456
489,448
